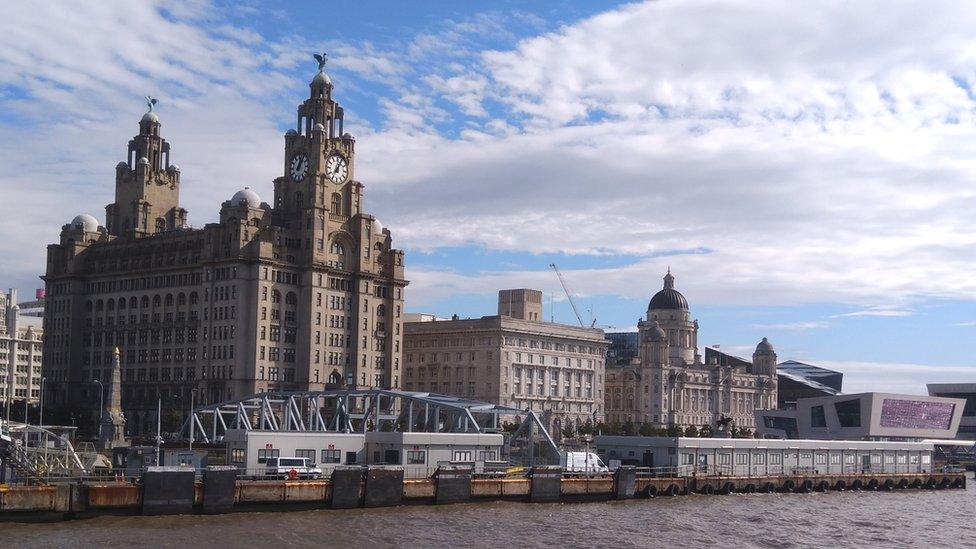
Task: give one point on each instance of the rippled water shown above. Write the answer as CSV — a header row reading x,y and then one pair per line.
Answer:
x,y
910,518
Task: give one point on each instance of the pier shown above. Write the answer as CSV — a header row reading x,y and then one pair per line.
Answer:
x,y
173,490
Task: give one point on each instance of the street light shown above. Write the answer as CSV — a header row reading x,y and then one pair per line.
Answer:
x,y
40,420
159,436
192,393
101,406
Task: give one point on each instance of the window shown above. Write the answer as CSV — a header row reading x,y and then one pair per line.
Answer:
x,y
687,459
849,413
758,459
462,455
835,459
817,417
237,455
725,459
310,454
331,456
742,459
775,459
850,459
264,455
416,457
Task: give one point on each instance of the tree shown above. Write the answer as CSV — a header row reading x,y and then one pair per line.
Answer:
x,y
647,430
568,431
705,431
673,430
691,431
628,429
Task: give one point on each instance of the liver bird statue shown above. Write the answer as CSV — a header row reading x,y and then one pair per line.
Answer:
x,y
151,102
321,58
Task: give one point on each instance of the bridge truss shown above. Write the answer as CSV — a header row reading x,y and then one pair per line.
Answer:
x,y
356,411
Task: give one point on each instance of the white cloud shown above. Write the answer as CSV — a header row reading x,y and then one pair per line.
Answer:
x,y
801,325
905,378
876,311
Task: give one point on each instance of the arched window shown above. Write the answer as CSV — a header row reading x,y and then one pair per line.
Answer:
x,y
194,298
133,302
335,378
157,301
121,303
160,224
381,311
275,296
110,305
99,306
181,299
169,300
299,200
337,203
291,298
338,248
255,222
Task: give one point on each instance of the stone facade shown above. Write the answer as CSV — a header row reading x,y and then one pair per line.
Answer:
x,y
553,369
21,353
299,294
669,383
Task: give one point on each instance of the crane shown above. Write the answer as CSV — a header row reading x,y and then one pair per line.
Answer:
x,y
562,283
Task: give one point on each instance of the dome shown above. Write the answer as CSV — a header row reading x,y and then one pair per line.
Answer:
x,y
246,195
668,298
143,160
349,136
377,227
150,117
657,334
765,347
86,222
322,79
291,132
318,127
174,167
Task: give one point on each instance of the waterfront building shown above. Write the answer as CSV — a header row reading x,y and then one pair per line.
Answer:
x,y
512,359
21,352
758,457
669,383
302,293
864,416
797,380
623,347
967,392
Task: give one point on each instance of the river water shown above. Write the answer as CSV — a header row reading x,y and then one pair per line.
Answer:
x,y
910,518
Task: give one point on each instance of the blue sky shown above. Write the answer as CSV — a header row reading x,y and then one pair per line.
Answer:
x,y
806,175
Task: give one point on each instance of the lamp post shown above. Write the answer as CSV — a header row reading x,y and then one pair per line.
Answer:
x,y
101,406
159,435
40,420
192,394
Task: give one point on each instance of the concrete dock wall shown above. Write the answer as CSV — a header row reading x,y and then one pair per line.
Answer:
x,y
167,492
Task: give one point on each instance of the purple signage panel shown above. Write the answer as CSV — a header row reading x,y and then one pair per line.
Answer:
x,y
916,414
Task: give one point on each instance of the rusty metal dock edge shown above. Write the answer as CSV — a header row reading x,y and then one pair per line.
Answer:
x,y
387,487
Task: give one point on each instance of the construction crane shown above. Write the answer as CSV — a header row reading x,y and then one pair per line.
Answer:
x,y
562,283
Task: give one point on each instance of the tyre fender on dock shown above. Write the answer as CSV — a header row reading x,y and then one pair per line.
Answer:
x,y
788,486
805,486
888,485
728,488
768,487
873,484
857,485
823,486
707,489
672,490
749,488
650,491
840,485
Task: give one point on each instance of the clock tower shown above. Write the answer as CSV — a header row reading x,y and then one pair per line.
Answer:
x,y
319,175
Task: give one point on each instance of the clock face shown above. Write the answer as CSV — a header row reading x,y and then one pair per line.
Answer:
x,y
298,167
336,168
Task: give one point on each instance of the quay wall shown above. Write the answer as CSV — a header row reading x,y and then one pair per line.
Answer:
x,y
385,486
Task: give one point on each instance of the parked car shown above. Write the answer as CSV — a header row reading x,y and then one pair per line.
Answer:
x,y
292,467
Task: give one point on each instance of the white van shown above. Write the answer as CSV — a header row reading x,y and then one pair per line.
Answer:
x,y
292,467
582,462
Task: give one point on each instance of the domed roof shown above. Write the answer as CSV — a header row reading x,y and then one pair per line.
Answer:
x,y
668,298
174,167
86,222
377,226
318,127
321,79
657,334
246,195
150,117
143,160
764,347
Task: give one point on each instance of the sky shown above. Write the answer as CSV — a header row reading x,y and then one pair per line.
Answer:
x,y
807,175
